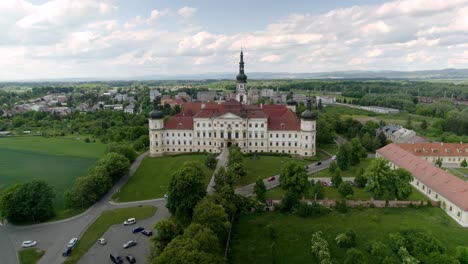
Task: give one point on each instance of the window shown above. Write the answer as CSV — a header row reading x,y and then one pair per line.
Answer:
x,y
458,214
172,134
277,143
271,144
424,187
198,124
256,125
289,135
261,144
262,124
250,125
276,135
167,134
203,124
284,135
430,191
437,196
417,183
307,137
296,135
198,134
450,208
271,135
184,134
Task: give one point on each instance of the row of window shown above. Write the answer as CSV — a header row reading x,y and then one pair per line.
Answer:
x,y
429,191
202,124
236,135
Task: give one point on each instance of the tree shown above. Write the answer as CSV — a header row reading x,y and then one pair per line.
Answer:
x,y
387,183
357,151
293,178
167,230
198,244
235,172
333,166
424,124
213,216
235,155
260,190
319,248
377,249
186,188
343,156
317,190
354,256
28,202
220,178
462,254
345,189
289,201
210,161
117,165
464,163
438,162
409,123
382,139
127,151
346,239
336,178
360,180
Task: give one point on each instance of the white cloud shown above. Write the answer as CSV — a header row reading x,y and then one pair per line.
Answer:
x,y
82,38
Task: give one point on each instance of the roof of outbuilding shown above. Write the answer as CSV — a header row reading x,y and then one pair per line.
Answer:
x,y
436,149
449,186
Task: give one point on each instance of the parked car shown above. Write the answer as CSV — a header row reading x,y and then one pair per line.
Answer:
x,y
72,242
137,229
67,251
324,183
130,221
272,178
28,243
352,183
130,259
334,157
102,241
147,233
166,196
130,243
318,163
116,260
330,184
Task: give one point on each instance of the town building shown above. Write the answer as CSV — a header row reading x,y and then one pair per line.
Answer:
x,y
451,154
206,96
399,134
435,183
213,126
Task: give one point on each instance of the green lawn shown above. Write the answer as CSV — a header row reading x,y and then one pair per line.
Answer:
x,y
332,193
350,172
30,255
330,148
57,161
102,223
252,241
152,178
265,166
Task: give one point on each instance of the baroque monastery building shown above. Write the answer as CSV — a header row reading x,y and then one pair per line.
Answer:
x,y
212,126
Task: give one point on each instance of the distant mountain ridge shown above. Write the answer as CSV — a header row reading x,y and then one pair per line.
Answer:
x,y
409,75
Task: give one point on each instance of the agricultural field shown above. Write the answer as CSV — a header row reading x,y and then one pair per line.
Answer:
x,y
151,179
58,161
273,237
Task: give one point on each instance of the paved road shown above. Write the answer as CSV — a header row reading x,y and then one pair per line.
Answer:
x,y
248,189
53,236
222,162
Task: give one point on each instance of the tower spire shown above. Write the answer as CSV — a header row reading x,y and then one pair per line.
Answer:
x,y
241,77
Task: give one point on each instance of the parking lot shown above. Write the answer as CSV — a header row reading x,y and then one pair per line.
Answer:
x,y
116,236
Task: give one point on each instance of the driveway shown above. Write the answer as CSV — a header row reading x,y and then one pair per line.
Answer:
x,y
247,190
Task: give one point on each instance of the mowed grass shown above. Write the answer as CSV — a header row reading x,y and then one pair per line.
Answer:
x,y
152,178
252,240
332,193
102,223
350,172
30,255
265,166
57,161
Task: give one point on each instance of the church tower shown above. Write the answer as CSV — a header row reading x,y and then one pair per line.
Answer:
x,y
308,131
241,86
156,129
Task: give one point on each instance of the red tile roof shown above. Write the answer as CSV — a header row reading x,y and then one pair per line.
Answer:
x,y
279,116
436,149
449,186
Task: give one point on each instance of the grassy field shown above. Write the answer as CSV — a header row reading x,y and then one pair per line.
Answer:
x,y
102,223
265,166
332,193
57,161
152,178
252,241
350,172
330,148
30,255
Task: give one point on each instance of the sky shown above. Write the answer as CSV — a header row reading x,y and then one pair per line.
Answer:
x,y
42,39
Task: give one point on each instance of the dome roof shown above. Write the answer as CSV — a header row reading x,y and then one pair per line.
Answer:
x,y
308,115
156,113
291,102
241,77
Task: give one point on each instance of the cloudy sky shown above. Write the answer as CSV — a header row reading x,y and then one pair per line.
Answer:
x,y
123,38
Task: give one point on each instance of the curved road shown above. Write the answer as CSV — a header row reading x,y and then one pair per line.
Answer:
x,y
53,237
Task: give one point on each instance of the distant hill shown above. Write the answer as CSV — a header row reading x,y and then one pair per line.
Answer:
x,y
408,75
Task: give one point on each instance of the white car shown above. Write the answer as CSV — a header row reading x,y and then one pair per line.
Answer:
x,y
102,241
130,221
166,196
72,242
334,157
28,243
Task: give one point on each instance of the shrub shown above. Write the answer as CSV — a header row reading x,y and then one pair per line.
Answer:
x,y
341,206
346,239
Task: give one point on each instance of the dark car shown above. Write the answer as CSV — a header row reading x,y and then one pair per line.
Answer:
x,y
147,232
130,259
116,260
318,163
138,229
67,252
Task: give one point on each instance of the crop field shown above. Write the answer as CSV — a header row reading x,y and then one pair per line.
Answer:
x,y
57,161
